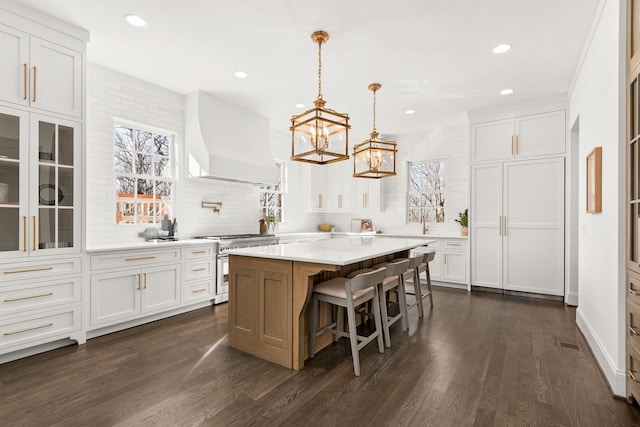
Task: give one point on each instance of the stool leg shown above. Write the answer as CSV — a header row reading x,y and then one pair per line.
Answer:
x,y
384,315
418,291
377,316
428,273
339,323
402,301
313,327
353,338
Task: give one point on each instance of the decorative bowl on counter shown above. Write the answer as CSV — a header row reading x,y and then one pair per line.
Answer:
x,y
325,227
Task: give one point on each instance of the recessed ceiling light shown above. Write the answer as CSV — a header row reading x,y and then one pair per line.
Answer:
x,y
240,74
506,91
410,112
502,48
299,105
136,21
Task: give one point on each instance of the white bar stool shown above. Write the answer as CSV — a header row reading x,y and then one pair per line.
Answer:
x,y
348,293
423,267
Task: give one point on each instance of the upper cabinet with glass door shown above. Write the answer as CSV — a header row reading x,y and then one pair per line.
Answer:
x,y
40,74
39,183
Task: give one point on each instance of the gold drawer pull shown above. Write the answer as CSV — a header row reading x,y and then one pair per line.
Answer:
x,y
633,376
28,329
199,290
140,258
454,244
633,331
28,271
29,297
199,252
633,292
199,269
24,79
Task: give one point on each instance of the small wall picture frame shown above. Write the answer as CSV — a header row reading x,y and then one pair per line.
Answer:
x,y
594,181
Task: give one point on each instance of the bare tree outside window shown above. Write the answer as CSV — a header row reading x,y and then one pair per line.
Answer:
x,y
426,191
271,197
143,177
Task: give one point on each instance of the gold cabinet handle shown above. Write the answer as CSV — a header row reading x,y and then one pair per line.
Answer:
x,y
34,233
505,225
320,201
28,329
198,269
24,80
24,234
340,201
633,376
453,244
35,71
31,270
198,252
633,331
198,290
29,297
517,145
138,288
140,258
145,280
633,292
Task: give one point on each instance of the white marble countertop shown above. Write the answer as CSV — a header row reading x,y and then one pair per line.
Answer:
x,y
146,245
336,251
395,235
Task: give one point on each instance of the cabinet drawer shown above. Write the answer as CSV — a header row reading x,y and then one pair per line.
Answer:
x,y
633,373
633,288
41,326
455,244
198,270
198,291
198,252
38,269
39,295
134,258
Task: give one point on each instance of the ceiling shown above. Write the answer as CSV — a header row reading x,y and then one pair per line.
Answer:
x,y
431,56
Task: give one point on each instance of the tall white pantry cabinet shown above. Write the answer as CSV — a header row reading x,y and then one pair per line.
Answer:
x,y
41,143
518,203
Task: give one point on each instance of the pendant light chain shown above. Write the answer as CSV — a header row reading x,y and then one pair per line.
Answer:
x,y
319,69
374,111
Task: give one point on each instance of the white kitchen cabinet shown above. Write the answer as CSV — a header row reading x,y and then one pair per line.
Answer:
x,y
339,186
522,137
367,194
126,294
517,226
450,264
40,74
318,188
199,273
40,179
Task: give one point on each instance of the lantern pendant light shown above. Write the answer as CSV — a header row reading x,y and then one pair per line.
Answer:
x,y
320,135
375,157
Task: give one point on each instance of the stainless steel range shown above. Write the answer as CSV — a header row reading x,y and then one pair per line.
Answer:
x,y
233,241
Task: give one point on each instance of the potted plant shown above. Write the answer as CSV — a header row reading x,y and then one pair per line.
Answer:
x,y
463,220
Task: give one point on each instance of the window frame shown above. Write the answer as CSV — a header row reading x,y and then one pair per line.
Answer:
x,y
265,210
171,179
411,193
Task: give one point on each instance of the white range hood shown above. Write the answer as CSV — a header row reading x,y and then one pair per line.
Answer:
x,y
227,142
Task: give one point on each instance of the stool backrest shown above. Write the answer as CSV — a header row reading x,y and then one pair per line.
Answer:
x,y
365,280
429,256
396,268
415,261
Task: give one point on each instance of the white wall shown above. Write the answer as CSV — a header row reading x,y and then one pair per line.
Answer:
x,y
114,95
450,143
597,100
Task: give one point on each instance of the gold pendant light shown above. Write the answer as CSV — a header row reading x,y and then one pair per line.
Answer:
x,y
320,135
375,157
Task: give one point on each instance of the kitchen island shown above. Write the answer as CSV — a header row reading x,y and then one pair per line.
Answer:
x,y
270,289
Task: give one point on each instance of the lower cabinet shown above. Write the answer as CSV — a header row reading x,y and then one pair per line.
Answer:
x,y
451,261
126,294
262,324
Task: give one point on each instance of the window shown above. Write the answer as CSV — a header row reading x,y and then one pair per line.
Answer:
x,y
425,194
144,184
271,197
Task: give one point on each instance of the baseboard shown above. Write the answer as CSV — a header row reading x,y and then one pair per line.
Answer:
x,y
616,377
447,284
32,351
571,299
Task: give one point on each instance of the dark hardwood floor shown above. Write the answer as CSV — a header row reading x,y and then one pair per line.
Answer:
x,y
477,359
